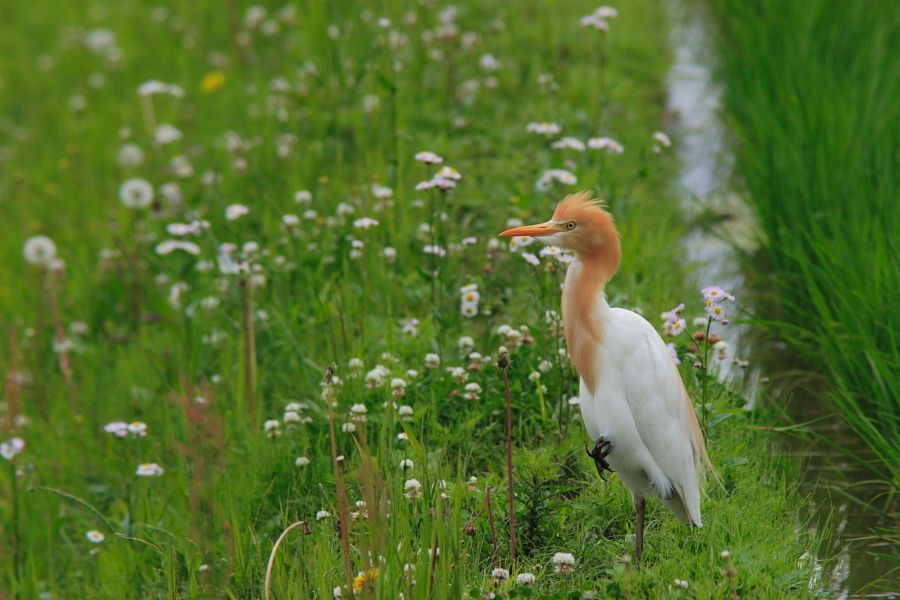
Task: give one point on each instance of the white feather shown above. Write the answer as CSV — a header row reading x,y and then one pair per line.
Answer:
x,y
639,407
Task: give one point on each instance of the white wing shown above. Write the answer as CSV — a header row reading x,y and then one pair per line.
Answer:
x,y
641,406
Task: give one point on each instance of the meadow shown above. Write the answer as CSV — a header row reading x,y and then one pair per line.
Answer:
x,y
253,293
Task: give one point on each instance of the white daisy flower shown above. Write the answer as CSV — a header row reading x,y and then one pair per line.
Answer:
x,y
149,470
235,211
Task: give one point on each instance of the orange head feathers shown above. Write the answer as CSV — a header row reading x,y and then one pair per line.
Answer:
x,y
579,223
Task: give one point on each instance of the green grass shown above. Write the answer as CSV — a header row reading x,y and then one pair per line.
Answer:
x,y
810,89
228,490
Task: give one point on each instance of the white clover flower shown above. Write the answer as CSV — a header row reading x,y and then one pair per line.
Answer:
x,y
303,197
725,554
356,364
149,470
459,373
568,143
432,361
544,366
472,391
235,211
405,411
322,514
375,378
499,574
301,461
95,536
488,63
681,583
166,134
130,155
39,250
136,193
271,425
534,376
359,409
348,427
11,447
406,464
290,220
699,322
413,488
291,416
389,254
609,144
564,562
381,192
525,579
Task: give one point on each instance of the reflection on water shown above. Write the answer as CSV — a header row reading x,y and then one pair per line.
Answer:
x,y
837,487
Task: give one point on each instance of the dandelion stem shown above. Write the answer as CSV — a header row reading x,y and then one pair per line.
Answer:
x,y
493,528
13,391
61,350
339,484
509,462
249,343
705,367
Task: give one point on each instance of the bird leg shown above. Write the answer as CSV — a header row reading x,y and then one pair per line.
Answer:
x,y
639,505
601,450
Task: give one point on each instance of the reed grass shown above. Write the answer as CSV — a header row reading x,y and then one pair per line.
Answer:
x,y
810,93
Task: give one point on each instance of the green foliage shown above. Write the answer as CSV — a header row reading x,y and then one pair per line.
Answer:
x,y
811,91
329,101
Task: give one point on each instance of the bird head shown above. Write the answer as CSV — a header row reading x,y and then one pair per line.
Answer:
x,y
579,223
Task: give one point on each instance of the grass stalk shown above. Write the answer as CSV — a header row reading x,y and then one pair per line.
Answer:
x,y
343,510
268,583
503,364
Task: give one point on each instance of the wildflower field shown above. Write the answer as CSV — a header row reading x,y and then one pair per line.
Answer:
x,y
254,297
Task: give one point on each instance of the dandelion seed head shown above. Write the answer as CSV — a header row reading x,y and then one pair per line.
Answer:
x,y
136,193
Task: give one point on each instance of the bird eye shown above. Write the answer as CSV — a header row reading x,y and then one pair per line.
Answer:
x,y
570,225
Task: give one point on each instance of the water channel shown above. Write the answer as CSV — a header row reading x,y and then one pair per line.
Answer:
x,y
837,488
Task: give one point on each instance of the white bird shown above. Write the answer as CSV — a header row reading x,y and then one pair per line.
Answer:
x,y
633,402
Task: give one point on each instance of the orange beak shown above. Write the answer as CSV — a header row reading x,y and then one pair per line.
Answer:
x,y
539,230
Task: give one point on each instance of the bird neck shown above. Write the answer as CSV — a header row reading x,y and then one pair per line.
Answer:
x,y
585,311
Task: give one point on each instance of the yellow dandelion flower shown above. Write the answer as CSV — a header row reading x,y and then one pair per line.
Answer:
x,y
213,81
365,580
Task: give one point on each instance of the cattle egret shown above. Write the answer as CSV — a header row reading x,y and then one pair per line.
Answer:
x,y
633,402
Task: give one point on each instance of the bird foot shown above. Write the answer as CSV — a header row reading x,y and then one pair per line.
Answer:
x,y
601,450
